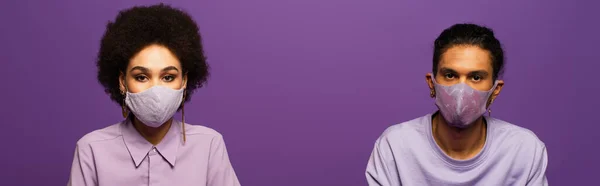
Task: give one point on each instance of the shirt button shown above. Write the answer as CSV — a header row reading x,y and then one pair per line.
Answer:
x,y
154,149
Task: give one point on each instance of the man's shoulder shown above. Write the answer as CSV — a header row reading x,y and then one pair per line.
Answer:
x,y
408,130
510,140
517,144
510,133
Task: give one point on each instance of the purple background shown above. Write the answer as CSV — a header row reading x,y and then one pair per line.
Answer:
x,y
301,89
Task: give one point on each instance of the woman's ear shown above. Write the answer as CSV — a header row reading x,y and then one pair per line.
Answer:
x,y
185,78
122,86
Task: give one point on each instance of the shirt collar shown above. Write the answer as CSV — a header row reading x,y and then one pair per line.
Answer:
x,y
139,147
170,143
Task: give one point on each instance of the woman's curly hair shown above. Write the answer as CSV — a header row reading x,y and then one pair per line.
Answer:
x,y
141,26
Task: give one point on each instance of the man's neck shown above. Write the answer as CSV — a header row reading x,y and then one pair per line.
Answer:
x,y
459,143
152,135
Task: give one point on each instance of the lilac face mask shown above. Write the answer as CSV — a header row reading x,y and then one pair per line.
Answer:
x,y
154,106
460,104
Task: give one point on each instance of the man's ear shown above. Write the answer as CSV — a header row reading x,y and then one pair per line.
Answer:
x,y
429,80
496,91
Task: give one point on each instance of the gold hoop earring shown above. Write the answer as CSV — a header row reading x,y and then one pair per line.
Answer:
x,y
183,116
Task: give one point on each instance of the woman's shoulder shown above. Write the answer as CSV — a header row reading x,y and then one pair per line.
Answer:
x,y
191,129
103,134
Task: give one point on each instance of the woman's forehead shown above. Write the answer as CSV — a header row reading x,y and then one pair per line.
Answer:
x,y
154,57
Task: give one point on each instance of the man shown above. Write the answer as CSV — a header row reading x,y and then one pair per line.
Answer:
x,y
458,145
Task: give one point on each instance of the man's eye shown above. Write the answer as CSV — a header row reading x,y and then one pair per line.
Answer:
x,y
449,76
476,78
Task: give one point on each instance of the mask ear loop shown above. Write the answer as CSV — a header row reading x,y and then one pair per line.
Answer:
x,y
183,110
183,116
432,91
489,110
124,109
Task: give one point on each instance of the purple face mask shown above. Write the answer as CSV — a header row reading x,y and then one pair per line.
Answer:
x,y
155,106
460,104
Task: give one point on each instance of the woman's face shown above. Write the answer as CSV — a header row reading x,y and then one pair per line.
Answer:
x,y
466,64
154,65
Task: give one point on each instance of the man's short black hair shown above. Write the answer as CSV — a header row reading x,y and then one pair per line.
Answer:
x,y
470,34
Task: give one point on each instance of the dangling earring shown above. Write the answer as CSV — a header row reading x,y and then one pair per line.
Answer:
x,y
183,116
432,93
124,107
490,109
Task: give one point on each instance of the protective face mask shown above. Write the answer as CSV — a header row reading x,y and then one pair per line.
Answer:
x,y
460,104
154,106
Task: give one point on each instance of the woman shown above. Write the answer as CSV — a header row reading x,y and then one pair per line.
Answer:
x,y
457,145
150,62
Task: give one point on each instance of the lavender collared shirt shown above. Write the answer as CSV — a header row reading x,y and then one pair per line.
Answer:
x,y
119,156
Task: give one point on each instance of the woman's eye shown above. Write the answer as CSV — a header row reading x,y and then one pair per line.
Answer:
x,y
141,78
168,78
449,76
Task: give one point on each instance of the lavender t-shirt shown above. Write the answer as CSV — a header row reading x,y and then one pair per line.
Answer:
x,y
406,154
118,155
